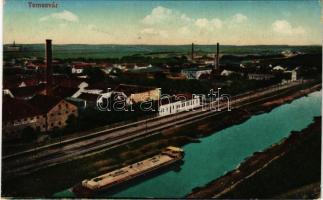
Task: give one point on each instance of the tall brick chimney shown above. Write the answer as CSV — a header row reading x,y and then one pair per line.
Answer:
x,y
49,69
192,56
217,67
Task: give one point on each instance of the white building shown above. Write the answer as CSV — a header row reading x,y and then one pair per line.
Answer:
x,y
179,103
227,72
195,73
77,70
294,75
279,68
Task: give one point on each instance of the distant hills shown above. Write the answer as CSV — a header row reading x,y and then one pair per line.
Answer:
x,y
115,51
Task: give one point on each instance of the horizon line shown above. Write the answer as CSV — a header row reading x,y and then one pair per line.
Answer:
x,y
120,44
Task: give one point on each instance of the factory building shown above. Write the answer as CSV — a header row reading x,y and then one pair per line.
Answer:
x,y
41,113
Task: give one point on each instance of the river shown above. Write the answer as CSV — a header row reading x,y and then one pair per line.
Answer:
x,y
224,150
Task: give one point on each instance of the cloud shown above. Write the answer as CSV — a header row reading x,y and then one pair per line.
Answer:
x,y
239,18
164,16
212,24
158,15
64,16
284,27
163,22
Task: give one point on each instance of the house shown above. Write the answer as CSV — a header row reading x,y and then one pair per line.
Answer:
x,y
177,103
77,70
105,101
18,115
28,92
136,93
227,72
56,111
292,75
41,113
195,73
78,67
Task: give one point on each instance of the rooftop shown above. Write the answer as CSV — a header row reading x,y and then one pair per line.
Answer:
x,y
44,103
132,89
14,109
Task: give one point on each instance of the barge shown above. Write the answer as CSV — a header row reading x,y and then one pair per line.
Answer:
x,y
114,178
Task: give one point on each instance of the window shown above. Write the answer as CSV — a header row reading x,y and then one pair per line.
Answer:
x,y
66,105
66,112
183,104
59,123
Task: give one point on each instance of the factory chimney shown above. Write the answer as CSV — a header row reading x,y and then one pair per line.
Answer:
x,y
49,69
217,67
192,56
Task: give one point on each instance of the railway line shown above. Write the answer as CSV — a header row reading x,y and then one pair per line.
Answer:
x,y
35,159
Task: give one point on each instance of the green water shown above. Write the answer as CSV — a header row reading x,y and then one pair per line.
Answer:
x,y
223,151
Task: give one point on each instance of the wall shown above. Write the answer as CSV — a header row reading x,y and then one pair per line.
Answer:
x,y
179,106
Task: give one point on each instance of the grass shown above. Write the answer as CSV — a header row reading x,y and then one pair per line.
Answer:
x,y
297,168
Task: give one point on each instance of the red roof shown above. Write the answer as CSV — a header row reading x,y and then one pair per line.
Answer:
x,y
13,109
83,65
28,91
63,92
132,89
44,103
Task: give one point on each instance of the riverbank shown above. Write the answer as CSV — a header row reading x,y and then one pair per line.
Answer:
x,y
55,177
289,169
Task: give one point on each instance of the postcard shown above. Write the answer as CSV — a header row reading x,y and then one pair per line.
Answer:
x,y
161,99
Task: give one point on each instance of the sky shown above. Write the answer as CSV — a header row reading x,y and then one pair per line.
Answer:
x,y
164,22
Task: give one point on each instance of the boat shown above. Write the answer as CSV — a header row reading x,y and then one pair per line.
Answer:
x,y
125,174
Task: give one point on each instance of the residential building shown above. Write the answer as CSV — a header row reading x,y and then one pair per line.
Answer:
x,y
78,67
18,115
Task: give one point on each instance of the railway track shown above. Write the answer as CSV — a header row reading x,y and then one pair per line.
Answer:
x,y
36,159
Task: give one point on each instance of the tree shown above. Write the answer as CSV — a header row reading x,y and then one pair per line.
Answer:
x,y
94,73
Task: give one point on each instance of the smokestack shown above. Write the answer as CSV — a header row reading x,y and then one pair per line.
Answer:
x,y
49,69
192,51
217,56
